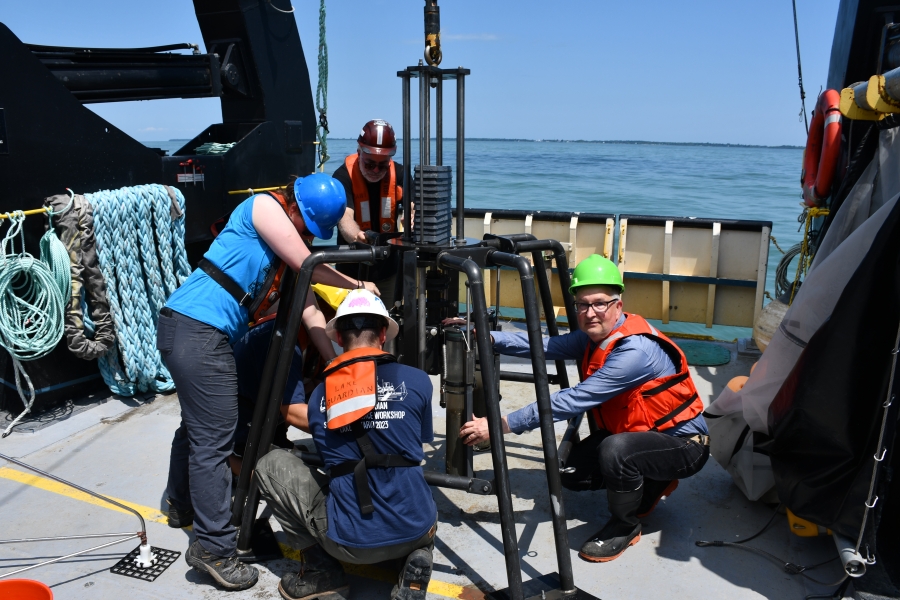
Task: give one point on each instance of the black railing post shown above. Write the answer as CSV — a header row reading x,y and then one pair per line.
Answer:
x,y
495,427
542,393
263,395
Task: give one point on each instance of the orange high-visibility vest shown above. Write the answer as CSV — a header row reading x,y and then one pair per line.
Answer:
x,y
655,405
391,194
351,390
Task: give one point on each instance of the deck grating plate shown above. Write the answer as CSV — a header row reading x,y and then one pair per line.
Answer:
x,y
164,559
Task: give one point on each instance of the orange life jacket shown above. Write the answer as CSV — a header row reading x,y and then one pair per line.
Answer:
x,y
655,405
272,285
351,392
391,194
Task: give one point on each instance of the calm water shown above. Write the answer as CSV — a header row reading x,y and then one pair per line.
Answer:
x,y
682,181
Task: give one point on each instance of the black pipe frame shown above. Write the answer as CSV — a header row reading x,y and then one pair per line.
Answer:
x,y
527,243
263,399
492,405
545,412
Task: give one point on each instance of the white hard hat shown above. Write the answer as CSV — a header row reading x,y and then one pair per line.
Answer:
x,y
362,302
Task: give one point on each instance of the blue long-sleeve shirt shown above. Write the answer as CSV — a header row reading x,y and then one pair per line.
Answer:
x,y
634,361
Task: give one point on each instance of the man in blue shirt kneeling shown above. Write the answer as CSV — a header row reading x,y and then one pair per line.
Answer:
x,y
370,503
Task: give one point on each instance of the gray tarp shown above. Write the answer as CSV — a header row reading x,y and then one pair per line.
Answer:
x,y
75,228
845,244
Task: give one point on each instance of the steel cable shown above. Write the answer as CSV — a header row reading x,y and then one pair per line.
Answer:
x,y
322,92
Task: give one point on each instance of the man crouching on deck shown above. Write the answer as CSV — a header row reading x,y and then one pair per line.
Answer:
x,y
368,420
637,384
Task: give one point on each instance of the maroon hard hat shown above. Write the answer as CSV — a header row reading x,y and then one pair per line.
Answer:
x,y
377,137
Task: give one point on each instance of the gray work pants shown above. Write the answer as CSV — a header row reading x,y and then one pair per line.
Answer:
x,y
297,494
201,362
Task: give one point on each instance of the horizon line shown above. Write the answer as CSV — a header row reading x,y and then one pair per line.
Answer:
x,y
562,141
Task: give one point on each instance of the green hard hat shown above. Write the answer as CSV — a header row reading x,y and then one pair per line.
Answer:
x,y
596,270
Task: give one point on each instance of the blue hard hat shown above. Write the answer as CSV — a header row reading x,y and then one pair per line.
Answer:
x,y
322,201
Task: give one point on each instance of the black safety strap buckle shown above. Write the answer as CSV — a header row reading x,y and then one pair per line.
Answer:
x,y
228,284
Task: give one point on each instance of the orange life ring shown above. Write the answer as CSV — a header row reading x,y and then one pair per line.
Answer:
x,y
823,149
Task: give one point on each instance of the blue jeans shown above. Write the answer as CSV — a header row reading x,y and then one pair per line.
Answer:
x,y
201,362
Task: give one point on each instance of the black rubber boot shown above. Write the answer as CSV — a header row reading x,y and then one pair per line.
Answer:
x,y
179,518
621,531
414,577
654,491
229,572
321,576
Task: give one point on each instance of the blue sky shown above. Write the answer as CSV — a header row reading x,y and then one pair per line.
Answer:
x,y
677,71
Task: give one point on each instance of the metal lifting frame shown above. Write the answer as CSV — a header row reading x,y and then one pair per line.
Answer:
x,y
488,255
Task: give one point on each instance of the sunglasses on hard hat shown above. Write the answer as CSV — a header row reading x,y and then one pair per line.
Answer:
x,y
376,165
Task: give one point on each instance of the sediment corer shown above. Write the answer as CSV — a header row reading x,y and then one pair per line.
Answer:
x,y
433,54
458,382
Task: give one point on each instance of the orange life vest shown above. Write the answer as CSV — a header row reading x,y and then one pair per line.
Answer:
x,y
351,392
272,284
391,194
655,405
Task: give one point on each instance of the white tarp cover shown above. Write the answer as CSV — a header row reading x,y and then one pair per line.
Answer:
x,y
846,243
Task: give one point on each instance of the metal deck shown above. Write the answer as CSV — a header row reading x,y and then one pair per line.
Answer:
x,y
120,448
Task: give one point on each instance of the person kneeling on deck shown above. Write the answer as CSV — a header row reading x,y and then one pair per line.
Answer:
x,y
651,432
369,420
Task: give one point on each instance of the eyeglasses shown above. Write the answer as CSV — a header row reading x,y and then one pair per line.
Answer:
x,y
376,165
599,307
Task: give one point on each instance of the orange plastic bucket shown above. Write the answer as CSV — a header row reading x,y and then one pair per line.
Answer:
x,y
24,589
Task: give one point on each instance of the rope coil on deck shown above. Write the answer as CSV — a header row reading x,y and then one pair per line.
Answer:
x,y
142,265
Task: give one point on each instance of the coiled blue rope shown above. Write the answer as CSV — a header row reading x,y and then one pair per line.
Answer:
x,y
142,266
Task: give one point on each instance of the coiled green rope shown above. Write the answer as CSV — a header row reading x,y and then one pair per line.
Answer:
x,y
33,296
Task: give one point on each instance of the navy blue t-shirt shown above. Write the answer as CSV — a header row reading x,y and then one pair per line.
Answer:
x,y
400,424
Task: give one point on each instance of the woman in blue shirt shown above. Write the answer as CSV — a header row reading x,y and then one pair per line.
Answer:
x,y
196,330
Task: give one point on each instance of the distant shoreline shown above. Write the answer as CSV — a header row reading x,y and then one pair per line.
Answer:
x,y
617,142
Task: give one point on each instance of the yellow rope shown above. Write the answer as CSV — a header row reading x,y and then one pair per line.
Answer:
x,y
805,259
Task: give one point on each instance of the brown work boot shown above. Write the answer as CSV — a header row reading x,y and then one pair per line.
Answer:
x,y
621,531
654,491
229,572
321,576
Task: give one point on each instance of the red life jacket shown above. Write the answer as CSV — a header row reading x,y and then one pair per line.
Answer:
x,y
655,405
391,194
